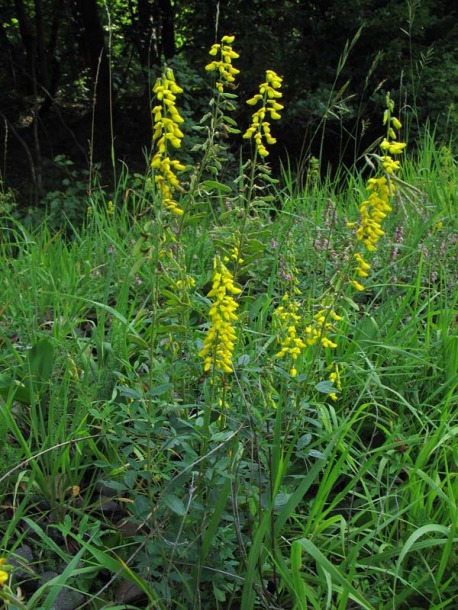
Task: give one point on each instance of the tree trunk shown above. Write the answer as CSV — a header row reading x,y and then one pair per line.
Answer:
x,y
95,52
146,26
167,29
155,31
28,40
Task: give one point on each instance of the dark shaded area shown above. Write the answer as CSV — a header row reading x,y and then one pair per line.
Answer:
x,y
76,76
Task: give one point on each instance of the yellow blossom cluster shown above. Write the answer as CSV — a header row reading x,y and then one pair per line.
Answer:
x,y
269,94
220,339
381,189
389,145
167,131
234,255
287,317
319,329
373,210
227,72
186,283
336,380
3,573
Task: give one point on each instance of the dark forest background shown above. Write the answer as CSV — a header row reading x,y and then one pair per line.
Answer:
x,y
76,78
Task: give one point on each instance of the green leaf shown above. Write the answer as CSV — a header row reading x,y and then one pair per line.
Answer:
x,y
174,503
40,360
304,441
19,391
172,298
171,328
325,387
221,437
219,594
230,121
217,186
161,389
8,384
138,264
136,340
195,219
244,360
280,500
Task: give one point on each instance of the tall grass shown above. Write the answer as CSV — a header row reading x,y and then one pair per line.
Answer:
x,y
127,462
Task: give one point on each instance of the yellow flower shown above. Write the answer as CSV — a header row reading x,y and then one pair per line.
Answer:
x,y
219,342
373,210
438,226
390,165
381,189
223,66
235,255
3,573
356,285
268,95
321,326
288,320
186,283
335,379
166,130
325,342
394,148
362,267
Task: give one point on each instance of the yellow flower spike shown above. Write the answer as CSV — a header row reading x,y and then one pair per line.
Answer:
x,y
259,129
166,131
220,339
227,72
287,319
335,379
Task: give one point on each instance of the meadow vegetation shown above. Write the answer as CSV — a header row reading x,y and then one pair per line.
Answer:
x,y
227,390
